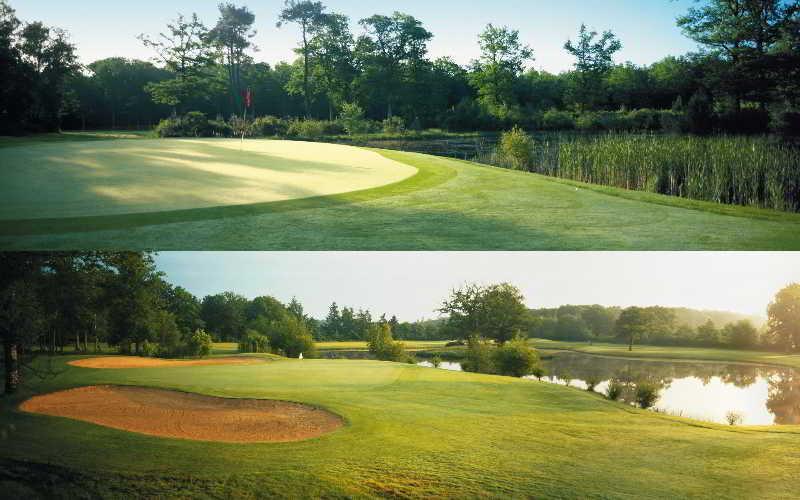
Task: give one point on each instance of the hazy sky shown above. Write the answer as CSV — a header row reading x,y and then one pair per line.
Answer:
x,y
412,285
647,27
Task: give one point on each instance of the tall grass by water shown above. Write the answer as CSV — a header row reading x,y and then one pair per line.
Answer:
x,y
752,171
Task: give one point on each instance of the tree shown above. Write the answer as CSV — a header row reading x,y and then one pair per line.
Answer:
x,y
741,335
184,51
632,325
463,308
224,315
311,18
501,63
381,343
185,307
593,59
333,50
784,318
20,311
496,312
708,334
392,46
232,35
332,326
515,359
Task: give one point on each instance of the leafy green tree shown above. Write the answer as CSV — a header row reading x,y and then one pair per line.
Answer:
x,y
381,343
200,344
741,334
311,18
184,51
292,337
632,325
232,35
496,72
503,312
389,51
332,326
225,315
708,334
185,307
594,58
784,318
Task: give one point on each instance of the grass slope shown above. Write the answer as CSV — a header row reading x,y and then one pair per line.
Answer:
x,y
410,432
673,353
448,205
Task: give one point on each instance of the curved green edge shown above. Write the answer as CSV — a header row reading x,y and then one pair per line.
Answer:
x,y
427,176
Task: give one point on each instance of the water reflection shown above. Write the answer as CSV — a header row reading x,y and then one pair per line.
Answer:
x,y
707,391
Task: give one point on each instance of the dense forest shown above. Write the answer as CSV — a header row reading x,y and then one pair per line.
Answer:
x,y
744,78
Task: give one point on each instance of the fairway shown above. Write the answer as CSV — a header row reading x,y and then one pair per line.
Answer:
x,y
379,205
122,177
410,431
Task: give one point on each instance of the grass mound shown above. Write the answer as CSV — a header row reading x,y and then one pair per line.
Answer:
x,y
187,416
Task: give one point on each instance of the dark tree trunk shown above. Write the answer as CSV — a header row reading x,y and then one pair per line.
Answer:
x,y
11,360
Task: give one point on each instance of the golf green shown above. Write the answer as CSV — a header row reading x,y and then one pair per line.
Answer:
x,y
208,194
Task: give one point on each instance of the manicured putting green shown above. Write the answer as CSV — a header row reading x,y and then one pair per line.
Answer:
x,y
121,177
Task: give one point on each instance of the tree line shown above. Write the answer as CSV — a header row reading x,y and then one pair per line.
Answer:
x,y
747,70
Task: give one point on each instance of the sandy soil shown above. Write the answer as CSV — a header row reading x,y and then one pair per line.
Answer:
x,y
120,362
172,414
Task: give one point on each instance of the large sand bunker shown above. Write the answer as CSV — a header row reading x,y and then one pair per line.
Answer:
x,y
171,414
120,362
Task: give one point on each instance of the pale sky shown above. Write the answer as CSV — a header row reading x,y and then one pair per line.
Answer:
x,y
413,284
646,27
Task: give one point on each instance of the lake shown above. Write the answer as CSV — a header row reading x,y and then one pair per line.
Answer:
x,y
708,391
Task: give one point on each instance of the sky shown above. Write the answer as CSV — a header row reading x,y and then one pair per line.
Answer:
x,y
646,27
412,285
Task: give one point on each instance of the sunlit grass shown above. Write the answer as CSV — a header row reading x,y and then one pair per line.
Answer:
x,y
410,431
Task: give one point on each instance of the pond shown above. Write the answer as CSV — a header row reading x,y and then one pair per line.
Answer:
x,y
708,391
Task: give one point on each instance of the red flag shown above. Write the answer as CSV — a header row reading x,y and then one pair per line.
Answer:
x,y
247,95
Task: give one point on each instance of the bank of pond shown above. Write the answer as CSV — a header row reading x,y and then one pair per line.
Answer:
x,y
718,392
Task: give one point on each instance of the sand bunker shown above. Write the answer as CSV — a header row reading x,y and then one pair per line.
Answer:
x,y
120,362
180,415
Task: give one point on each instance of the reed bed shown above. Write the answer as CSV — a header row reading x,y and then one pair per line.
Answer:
x,y
753,171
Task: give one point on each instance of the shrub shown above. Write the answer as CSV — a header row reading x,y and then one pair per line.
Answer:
x,y
591,382
351,118
220,128
538,372
199,344
557,120
148,349
394,125
468,116
313,128
614,390
268,126
292,337
193,124
252,341
646,395
700,114
745,121
734,418
436,361
515,358
788,124
674,122
645,119
478,357
383,346
516,149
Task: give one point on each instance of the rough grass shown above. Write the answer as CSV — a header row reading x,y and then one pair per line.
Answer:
x,y
411,432
448,205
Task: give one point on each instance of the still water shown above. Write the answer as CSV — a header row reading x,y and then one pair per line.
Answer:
x,y
759,395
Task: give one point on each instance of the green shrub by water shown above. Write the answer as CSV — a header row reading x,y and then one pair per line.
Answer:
x,y
752,171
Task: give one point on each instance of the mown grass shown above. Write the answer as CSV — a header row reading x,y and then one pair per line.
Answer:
x,y
672,353
411,432
448,205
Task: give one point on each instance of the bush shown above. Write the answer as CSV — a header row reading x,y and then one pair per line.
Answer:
x,y
292,337
199,344
749,121
193,124
515,359
614,390
268,126
674,122
516,149
468,116
700,114
313,128
351,118
557,120
646,395
252,341
788,124
436,361
149,349
478,357
383,346
394,125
